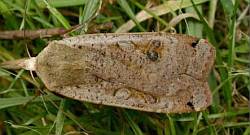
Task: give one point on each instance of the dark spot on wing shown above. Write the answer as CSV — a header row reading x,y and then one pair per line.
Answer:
x,y
152,55
194,44
190,104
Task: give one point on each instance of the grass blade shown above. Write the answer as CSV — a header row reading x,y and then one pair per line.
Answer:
x,y
124,4
132,124
167,7
227,6
172,125
247,131
58,15
7,14
60,3
194,28
10,102
60,118
151,13
90,10
197,121
231,47
212,11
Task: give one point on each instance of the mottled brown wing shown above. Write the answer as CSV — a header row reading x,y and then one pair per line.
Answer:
x,y
154,72
189,97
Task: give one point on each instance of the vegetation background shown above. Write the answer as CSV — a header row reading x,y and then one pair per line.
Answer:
x,y
225,23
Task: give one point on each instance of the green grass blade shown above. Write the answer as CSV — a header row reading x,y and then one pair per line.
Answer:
x,y
124,4
167,7
90,10
60,3
247,131
216,96
197,122
7,14
10,102
162,21
15,6
231,47
58,15
194,28
212,130
136,129
17,77
60,118
227,6
172,125
45,23
217,115
212,11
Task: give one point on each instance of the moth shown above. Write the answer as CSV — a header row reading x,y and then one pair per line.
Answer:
x,y
152,71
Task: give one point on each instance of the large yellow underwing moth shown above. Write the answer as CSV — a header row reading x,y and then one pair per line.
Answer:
x,y
155,72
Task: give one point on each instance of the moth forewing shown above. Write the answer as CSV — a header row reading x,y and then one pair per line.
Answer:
x,y
156,72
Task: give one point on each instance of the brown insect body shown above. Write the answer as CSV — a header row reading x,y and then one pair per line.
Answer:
x,y
156,72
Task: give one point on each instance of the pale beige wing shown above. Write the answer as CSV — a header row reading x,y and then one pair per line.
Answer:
x,y
188,98
149,73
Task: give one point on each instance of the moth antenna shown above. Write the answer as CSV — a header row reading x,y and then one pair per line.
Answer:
x,y
26,63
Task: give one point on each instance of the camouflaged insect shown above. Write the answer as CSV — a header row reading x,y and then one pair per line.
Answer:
x,y
155,72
